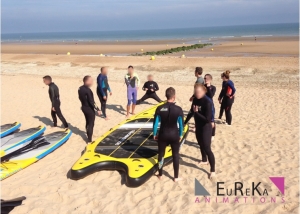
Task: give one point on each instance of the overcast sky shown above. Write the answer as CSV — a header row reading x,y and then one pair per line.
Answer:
x,y
97,15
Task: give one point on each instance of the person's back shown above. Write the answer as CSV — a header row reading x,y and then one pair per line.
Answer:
x,y
169,115
84,94
53,91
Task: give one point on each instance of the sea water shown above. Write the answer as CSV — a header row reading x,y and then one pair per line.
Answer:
x,y
263,30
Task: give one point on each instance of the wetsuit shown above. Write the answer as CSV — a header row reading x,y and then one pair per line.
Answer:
x,y
102,89
227,101
210,92
204,129
54,97
132,84
150,93
88,107
168,115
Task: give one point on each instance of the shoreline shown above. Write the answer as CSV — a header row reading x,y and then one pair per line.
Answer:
x,y
247,46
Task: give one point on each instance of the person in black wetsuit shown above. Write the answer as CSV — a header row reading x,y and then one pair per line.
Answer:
x,y
150,87
102,88
210,92
226,97
88,105
202,110
55,101
168,115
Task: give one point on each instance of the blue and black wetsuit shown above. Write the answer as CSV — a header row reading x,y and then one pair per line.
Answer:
x,y
170,117
227,101
203,119
102,89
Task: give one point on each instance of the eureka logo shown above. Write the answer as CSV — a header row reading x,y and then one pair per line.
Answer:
x,y
241,193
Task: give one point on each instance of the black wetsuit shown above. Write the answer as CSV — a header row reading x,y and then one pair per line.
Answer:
x,y
88,107
54,97
227,101
204,129
168,115
211,91
150,94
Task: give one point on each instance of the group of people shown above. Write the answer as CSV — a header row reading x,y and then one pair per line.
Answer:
x,y
202,109
168,116
88,104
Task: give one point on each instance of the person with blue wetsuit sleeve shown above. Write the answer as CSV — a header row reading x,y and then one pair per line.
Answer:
x,y
201,109
170,117
226,97
102,89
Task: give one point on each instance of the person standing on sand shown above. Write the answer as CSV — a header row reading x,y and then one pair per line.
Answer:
x,y
102,89
132,81
210,92
88,105
226,97
150,87
55,101
202,111
198,75
168,115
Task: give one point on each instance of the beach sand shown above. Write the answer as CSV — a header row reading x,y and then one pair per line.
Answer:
x,y
263,46
262,142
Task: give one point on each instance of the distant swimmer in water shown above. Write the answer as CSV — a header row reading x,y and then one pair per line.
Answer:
x,y
202,110
88,105
150,87
55,101
226,97
132,81
170,117
102,88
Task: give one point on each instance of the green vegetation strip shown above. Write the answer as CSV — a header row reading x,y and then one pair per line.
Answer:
x,y
173,50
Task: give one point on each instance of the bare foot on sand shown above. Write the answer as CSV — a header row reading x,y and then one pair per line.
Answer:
x,y
212,175
177,179
203,163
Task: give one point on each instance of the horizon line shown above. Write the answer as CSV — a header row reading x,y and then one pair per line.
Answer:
x,y
148,29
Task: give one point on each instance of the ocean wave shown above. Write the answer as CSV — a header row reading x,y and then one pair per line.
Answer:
x,y
256,35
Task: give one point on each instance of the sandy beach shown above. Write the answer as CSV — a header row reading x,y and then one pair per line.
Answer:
x,y
263,46
262,142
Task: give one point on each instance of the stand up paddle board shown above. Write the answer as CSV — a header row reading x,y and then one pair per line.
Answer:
x,y
128,147
31,152
13,141
9,128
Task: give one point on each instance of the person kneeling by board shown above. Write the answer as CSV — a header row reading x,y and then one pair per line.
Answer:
x,y
55,101
150,87
168,115
88,105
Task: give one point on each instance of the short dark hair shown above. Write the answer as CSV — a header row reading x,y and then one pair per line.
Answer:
x,y
47,77
130,66
85,78
102,68
170,93
198,70
210,76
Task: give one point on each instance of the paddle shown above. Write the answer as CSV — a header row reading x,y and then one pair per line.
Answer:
x,y
34,144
